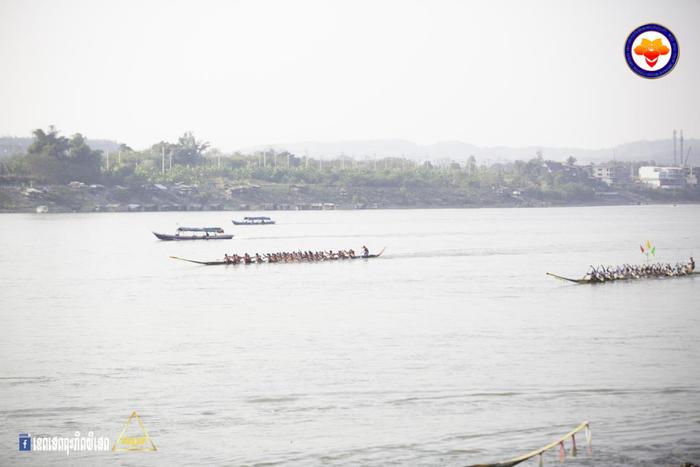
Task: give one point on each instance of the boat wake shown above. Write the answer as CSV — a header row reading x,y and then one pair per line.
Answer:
x,y
456,253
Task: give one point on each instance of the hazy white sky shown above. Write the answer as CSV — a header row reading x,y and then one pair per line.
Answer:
x,y
240,73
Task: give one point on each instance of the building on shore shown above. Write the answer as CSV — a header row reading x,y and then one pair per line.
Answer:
x,y
663,177
693,175
610,174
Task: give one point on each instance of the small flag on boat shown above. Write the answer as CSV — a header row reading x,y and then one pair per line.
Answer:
x,y
648,250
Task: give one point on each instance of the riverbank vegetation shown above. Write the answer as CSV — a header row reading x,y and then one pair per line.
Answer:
x,y
190,173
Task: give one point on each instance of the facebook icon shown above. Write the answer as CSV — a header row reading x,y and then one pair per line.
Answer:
x,y
25,442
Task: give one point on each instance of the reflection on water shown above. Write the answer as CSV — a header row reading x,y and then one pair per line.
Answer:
x,y
453,348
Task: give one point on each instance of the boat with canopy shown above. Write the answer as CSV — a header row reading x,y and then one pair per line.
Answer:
x,y
195,233
259,220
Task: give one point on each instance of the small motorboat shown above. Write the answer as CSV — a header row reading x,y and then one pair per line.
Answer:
x,y
260,220
195,233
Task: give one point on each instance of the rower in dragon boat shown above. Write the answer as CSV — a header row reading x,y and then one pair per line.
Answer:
x,y
286,257
596,274
230,259
627,271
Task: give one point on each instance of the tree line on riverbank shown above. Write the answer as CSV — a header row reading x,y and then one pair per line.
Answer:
x,y
55,159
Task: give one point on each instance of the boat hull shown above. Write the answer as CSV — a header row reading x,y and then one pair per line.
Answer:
x,y
253,223
224,263
169,237
592,281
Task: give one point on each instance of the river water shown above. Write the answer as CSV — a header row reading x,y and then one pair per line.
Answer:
x,y
453,348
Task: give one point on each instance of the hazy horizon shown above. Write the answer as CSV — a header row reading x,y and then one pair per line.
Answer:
x,y
246,74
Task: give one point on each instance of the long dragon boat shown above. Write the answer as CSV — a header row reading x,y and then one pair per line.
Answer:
x,y
224,263
591,280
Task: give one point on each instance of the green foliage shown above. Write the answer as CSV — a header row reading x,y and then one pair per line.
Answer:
x,y
55,158
188,150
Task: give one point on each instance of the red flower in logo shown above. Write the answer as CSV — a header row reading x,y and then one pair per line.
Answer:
x,y
651,51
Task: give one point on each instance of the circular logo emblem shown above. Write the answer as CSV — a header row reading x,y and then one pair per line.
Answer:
x,y
651,51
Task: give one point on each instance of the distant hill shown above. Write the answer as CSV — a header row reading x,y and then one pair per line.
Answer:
x,y
660,151
10,146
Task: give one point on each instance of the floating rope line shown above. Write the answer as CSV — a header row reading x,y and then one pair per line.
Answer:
x,y
539,452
